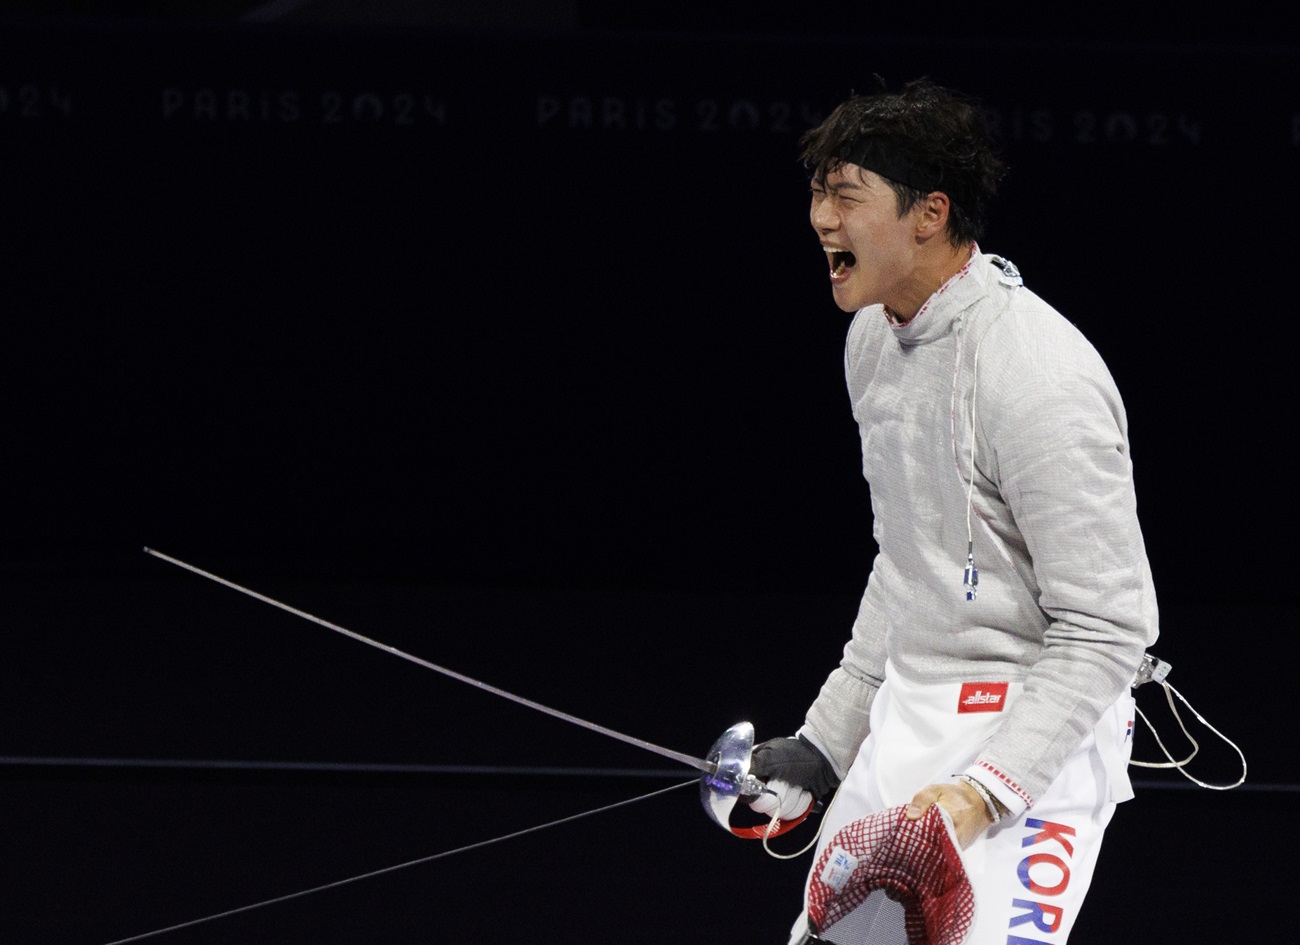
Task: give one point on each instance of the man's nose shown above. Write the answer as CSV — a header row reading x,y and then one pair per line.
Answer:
x,y
824,217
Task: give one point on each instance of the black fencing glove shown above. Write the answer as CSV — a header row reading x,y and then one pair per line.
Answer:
x,y
797,774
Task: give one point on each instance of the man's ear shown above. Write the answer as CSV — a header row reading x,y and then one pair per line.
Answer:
x,y
933,218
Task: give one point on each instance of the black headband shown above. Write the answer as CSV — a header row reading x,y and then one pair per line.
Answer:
x,y
888,158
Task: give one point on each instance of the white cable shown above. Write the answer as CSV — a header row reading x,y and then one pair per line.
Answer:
x,y
974,390
1180,766
972,574
1196,747
772,828
399,866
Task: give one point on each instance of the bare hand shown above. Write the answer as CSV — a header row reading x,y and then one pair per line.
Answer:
x,y
970,817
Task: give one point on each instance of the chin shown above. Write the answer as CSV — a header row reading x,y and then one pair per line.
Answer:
x,y
849,301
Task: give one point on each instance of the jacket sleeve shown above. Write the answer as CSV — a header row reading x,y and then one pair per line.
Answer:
x,y
840,718
1058,438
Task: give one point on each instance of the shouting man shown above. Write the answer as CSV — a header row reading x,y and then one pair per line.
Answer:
x,y
1010,604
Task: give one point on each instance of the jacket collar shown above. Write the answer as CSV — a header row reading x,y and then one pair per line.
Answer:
x,y
943,309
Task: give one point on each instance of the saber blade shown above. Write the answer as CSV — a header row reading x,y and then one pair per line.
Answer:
x,y
688,760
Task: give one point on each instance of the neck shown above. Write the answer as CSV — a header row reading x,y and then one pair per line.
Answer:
x,y
927,279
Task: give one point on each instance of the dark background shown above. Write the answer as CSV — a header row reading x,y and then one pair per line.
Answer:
x,y
498,334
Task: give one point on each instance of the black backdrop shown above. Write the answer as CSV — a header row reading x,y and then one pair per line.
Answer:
x,y
514,350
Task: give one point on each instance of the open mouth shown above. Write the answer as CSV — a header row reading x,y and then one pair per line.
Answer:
x,y
841,261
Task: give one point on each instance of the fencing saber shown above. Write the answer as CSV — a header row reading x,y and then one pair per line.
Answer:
x,y
725,775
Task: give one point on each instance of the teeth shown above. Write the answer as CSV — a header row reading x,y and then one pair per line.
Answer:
x,y
839,259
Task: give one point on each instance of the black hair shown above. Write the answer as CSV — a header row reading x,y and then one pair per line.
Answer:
x,y
921,139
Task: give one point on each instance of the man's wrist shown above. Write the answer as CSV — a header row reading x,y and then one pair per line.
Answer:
x,y
992,807
1012,802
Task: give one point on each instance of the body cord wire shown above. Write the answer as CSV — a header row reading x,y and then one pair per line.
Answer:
x,y
1180,766
399,866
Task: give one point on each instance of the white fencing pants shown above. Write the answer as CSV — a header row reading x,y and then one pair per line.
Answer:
x,y
1029,873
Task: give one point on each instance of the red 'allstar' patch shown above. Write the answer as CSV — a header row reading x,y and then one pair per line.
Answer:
x,y
982,697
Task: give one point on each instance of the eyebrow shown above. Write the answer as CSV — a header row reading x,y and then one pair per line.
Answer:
x,y
844,185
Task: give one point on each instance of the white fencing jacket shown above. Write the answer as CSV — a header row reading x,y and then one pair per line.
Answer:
x,y
1065,600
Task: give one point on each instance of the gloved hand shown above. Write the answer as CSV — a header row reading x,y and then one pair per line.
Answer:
x,y
796,773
